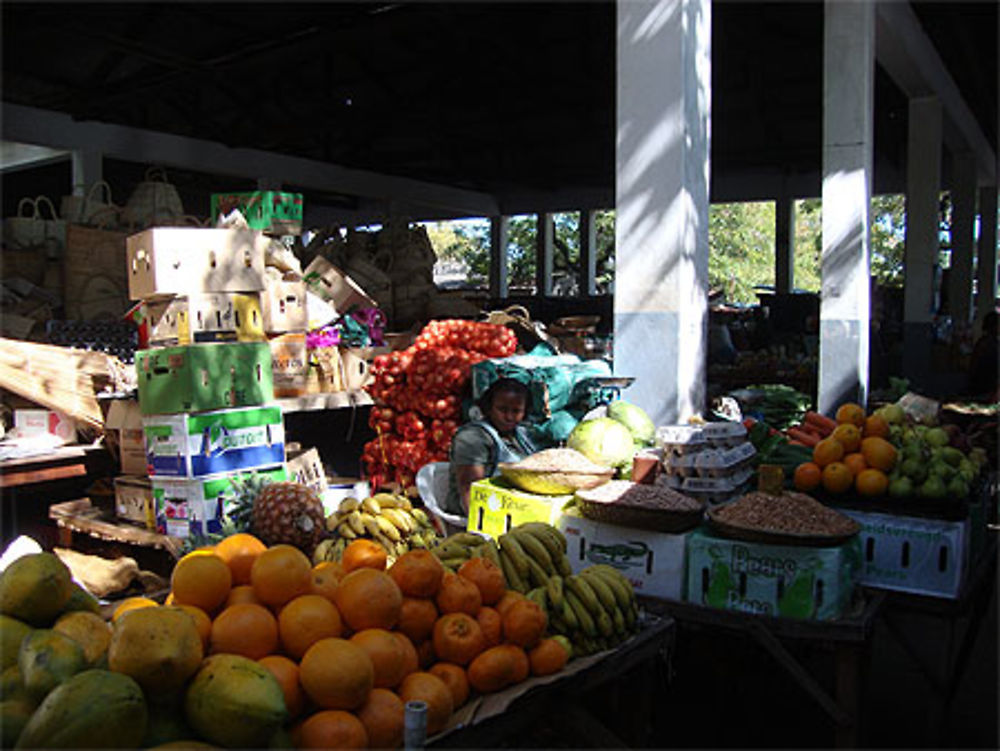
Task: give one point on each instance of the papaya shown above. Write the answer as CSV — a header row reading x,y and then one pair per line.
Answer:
x,y
35,588
81,599
11,684
12,631
88,630
159,647
93,709
48,658
182,744
234,702
165,727
14,716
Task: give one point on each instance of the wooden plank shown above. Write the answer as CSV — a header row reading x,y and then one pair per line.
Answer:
x,y
81,516
27,477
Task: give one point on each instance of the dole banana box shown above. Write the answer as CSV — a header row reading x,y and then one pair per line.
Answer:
x,y
196,505
207,317
134,501
207,443
776,580
494,507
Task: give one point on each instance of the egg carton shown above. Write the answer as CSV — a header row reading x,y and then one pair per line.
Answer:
x,y
711,462
716,490
680,440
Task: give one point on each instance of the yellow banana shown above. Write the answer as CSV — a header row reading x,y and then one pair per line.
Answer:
x,y
333,521
346,531
348,504
371,506
517,555
319,554
337,551
389,499
402,502
531,545
387,528
370,523
600,587
355,522
422,519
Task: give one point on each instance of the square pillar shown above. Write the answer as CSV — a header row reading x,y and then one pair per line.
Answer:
x,y
784,245
963,201
498,257
588,251
986,254
543,255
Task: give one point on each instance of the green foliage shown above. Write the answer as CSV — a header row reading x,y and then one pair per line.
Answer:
x,y
741,248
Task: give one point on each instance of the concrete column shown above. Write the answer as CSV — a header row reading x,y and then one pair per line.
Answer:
x,y
88,168
848,136
588,252
923,185
784,245
543,255
661,229
986,256
963,201
498,257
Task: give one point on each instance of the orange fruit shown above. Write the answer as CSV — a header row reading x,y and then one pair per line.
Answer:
x,y
201,621
498,667
337,674
417,617
411,660
455,678
856,463
280,574
326,577
837,478
872,482
286,672
239,551
332,728
422,686
808,476
425,654
458,595
879,453
387,654
510,597
852,413
201,579
458,638
849,435
248,630
876,426
367,598
828,450
242,593
491,622
306,620
487,577
417,573
383,717
362,553
547,657
524,623
131,603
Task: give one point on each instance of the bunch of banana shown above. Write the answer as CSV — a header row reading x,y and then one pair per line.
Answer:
x,y
456,549
532,554
388,519
596,608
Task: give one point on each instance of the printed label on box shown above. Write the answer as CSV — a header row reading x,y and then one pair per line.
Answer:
x,y
494,508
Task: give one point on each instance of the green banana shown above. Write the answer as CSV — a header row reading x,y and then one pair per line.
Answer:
x,y
565,643
517,555
585,593
536,573
600,587
489,551
537,596
620,586
466,538
510,572
541,532
569,615
534,548
605,625
554,587
587,624
449,549
619,620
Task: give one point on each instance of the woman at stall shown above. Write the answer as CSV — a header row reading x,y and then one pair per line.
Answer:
x,y
480,445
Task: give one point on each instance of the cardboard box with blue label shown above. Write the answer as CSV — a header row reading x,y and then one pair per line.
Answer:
x,y
776,580
495,507
195,505
270,211
202,377
207,443
652,561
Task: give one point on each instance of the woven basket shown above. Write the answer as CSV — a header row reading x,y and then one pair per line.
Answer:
x,y
553,482
154,201
623,514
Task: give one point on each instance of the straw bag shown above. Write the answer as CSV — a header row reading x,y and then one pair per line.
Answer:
x,y
82,209
30,232
153,202
529,333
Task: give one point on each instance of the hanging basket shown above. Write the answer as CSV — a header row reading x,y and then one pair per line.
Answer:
x,y
154,202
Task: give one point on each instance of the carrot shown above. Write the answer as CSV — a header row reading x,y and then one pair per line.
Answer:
x,y
797,443
808,427
822,422
800,435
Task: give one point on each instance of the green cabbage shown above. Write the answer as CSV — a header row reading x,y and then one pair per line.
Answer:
x,y
604,441
635,419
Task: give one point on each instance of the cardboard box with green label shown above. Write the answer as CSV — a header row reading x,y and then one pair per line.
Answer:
x,y
271,211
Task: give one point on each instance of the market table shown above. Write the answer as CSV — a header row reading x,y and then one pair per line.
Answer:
x,y
626,676
848,637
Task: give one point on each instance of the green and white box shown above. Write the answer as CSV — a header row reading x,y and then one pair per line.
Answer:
x,y
652,561
776,580
189,506
202,377
208,443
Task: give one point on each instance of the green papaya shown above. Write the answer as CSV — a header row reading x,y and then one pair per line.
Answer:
x,y
47,658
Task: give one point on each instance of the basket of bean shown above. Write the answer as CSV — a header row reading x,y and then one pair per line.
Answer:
x,y
631,504
788,518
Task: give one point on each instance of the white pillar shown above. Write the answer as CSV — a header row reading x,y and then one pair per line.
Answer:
x,y
963,212
784,244
662,175
848,134
588,252
923,185
543,255
498,257
986,255
88,168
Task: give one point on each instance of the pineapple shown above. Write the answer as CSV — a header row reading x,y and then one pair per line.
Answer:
x,y
287,512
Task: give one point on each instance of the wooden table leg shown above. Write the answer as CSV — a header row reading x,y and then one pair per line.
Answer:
x,y
848,680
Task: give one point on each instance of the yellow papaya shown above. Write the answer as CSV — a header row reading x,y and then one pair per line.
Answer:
x,y
12,631
35,588
159,647
81,599
48,658
88,630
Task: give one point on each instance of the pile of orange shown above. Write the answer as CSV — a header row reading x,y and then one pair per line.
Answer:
x,y
350,643
856,455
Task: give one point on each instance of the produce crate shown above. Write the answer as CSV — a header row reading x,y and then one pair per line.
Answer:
x,y
653,561
270,211
134,501
283,305
494,507
921,555
775,580
186,506
125,417
331,284
202,377
208,317
207,443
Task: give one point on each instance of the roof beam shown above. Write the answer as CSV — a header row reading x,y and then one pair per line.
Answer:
x,y
58,130
910,58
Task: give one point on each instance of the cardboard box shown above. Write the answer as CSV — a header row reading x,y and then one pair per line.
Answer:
x,y
331,284
125,417
34,422
307,469
283,305
913,554
495,507
775,580
289,356
208,443
209,317
274,212
356,365
134,501
186,506
202,377
186,260
654,562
